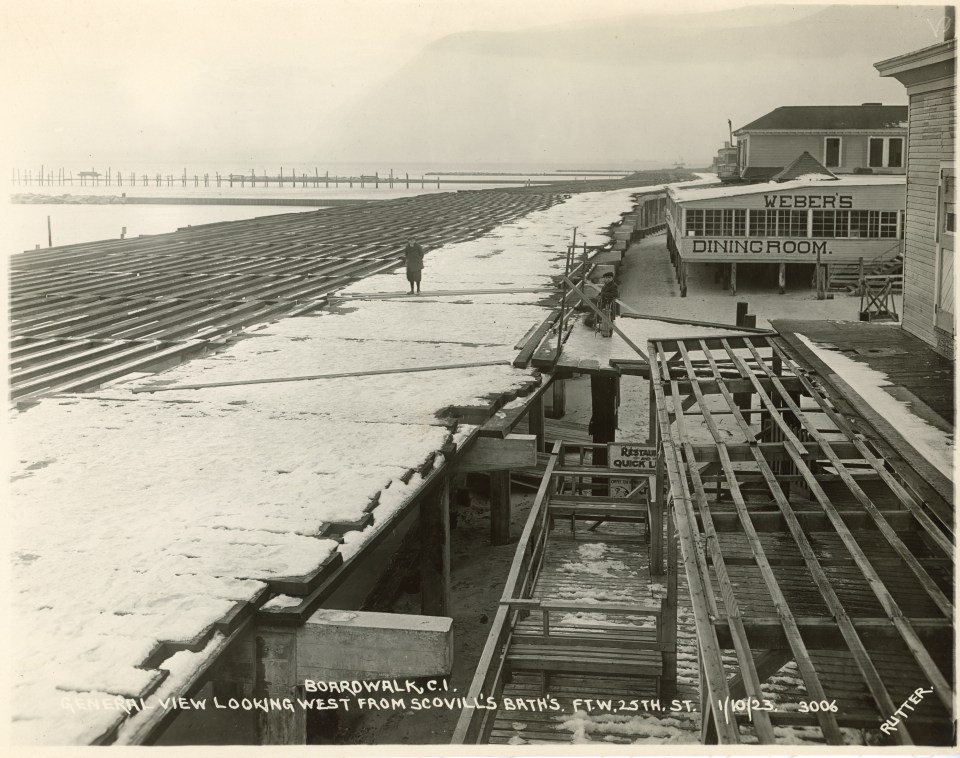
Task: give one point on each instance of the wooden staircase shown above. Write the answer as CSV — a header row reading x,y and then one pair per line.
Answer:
x,y
845,277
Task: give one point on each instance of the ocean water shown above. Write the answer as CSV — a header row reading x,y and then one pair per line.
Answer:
x,y
25,225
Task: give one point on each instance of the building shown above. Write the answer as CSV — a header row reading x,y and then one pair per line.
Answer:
x,y
847,139
806,215
726,163
929,76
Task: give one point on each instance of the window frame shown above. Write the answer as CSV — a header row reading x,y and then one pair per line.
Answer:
x,y
885,151
839,140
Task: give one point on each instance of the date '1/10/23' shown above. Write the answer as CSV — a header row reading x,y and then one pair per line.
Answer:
x,y
747,706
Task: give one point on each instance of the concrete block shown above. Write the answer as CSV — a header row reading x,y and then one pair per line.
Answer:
x,y
337,645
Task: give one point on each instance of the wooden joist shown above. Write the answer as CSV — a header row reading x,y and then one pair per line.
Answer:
x,y
845,535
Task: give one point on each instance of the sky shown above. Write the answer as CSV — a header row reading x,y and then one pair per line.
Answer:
x,y
264,80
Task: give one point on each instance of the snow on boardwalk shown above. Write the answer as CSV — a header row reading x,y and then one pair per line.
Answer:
x,y
935,445
141,519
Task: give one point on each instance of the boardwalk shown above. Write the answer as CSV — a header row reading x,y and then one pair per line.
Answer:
x,y
84,314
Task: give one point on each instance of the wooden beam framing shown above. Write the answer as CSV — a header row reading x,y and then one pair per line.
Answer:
x,y
792,448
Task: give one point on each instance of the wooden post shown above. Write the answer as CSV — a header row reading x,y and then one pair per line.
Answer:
x,y
559,398
563,294
669,679
49,233
683,278
500,508
603,395
821,293
860,279
535,421
742,309
435,551
782,278
276,657
657,510
733,278
407,179
652,422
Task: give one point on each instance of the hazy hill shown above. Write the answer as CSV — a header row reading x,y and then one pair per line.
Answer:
x,y
637,87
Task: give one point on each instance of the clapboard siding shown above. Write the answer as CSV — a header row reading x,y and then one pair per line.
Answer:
x,y
770,150
931,140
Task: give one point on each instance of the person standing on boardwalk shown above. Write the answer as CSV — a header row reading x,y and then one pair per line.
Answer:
x,y
413,257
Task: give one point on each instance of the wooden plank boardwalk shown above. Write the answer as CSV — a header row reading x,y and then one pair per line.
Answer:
x,y
598,567
917,374
84,314
907,361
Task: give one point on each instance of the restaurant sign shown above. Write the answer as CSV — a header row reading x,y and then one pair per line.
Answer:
x,y
799,247
630,457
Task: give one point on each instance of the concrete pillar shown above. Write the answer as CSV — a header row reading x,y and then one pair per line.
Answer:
x,y
535,421
435,550
276,677
500,508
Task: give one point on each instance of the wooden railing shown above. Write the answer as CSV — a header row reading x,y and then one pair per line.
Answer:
x,y
475,723
565,491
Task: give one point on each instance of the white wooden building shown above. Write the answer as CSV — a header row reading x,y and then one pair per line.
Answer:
x,y
813,218
930,77
847,139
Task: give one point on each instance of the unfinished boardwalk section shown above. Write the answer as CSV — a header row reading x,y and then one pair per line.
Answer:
x,y
581,618
82,315
801,545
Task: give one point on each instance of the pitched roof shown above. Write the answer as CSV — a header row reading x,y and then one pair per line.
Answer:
x,y
807,167
869,116
760,173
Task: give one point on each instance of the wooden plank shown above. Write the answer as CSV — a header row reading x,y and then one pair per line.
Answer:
x,y
710,661
750,678
309,377
526,352
495,454
589,303
919,652
926,582
855,644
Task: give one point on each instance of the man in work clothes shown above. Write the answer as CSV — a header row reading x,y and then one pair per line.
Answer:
x,y
413,257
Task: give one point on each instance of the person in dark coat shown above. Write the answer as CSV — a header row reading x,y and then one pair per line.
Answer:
x,y
609,294
413,257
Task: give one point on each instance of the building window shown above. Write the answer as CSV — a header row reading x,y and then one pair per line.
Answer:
x,y
831,152
855,224
895,152
831,223
716,223
885,152
778,223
